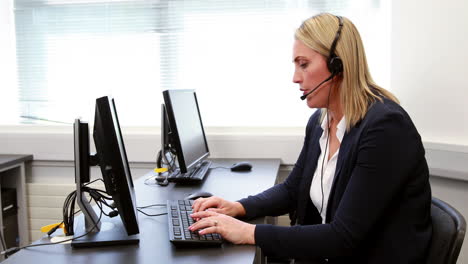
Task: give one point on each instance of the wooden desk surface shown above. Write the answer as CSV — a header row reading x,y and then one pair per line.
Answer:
x,y
7,160
154,244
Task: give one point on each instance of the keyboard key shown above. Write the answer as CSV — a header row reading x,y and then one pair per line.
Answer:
x,y
193,176
179,222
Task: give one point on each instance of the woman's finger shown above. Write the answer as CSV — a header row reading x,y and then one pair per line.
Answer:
x,y
209,230
209,203
203,214
204,223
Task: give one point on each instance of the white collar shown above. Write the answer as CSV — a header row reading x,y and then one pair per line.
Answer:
x,y
340,128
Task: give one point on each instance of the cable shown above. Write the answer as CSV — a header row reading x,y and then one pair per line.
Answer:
x,y
99,196
146,182
163,162
325,152
213,168
148,206
68,217
150,214
15,249
91,182
151,205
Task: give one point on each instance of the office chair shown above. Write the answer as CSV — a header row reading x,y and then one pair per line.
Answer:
x,y
448,232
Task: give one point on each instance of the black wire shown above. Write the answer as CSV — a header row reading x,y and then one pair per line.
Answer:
x,y
213,168
12,250
68,208
325,152
162,161
150,214
171,163
151,205
68,217
91,182
150,178
58,225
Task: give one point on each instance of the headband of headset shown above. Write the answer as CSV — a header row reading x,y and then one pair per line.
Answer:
x,y
334,63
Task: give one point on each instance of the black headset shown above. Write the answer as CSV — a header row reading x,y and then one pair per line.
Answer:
x,y
334,63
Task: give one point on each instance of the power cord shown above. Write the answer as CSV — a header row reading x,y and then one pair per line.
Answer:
x,y
219,167
162,163
151,205
148,206
99,196
12,250
141,211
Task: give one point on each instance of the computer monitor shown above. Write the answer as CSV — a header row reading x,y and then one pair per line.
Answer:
x,y
112,159
185,133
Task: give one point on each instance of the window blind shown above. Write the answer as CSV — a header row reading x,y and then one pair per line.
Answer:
x,y
235,53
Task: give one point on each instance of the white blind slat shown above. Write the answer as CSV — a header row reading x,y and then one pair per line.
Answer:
x,y
235,53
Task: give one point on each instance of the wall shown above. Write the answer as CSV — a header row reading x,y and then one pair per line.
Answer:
x,y
428,73
428,66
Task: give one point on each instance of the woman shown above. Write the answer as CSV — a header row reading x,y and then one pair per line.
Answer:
x,y
359,192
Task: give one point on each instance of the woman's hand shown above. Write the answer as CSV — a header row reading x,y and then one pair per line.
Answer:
x,y
218,205
229,228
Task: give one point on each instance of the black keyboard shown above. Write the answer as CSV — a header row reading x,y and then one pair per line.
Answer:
x,y
193,176
179,220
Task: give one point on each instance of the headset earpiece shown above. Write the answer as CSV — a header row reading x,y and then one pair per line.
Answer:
x,y
334,63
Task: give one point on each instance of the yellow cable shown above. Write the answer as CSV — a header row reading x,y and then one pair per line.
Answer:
x,y
160,170
47,228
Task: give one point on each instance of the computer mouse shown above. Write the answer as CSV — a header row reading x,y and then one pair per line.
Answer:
x,y
199,194
241,166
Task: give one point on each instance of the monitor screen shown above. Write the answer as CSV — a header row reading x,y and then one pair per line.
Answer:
x,y
186,127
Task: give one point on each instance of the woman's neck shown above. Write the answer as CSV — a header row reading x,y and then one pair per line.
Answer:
x,y
335,110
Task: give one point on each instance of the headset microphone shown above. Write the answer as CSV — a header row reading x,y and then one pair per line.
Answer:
x,y
320,84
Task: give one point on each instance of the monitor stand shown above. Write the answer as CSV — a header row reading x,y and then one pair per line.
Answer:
x,y
103,231
112,232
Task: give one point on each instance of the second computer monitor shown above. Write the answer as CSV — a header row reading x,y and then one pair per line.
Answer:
x,y
187,133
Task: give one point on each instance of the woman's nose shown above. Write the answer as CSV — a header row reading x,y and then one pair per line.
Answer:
x,y
296,77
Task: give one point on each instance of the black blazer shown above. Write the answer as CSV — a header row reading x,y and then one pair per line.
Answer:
x,y
379,205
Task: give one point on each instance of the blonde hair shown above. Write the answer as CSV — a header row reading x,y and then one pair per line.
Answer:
x,y
357,88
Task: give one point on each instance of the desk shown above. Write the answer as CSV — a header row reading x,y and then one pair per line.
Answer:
x,y
154,244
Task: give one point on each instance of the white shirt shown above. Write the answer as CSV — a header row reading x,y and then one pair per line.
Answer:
x,y
329,168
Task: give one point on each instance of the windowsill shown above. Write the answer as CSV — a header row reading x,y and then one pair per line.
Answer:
x,y
152,130
55,143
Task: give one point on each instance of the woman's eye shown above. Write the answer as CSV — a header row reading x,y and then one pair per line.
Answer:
x,y
303,65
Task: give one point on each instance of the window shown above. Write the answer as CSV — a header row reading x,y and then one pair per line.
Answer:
x,y
235,53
